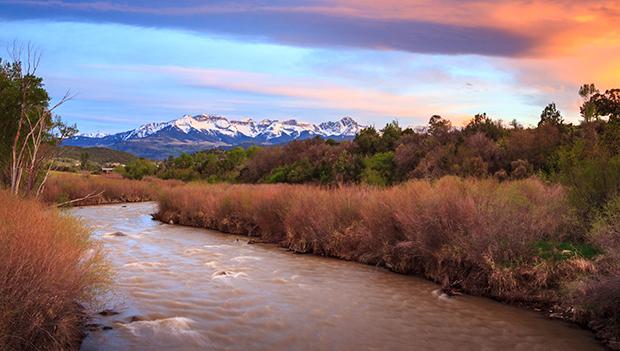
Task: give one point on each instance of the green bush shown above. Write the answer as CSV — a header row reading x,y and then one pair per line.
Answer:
x,y
139,168
379,169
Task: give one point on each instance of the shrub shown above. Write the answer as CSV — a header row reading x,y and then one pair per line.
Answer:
x,y
480,233
48,267
515,241
139,168
65,187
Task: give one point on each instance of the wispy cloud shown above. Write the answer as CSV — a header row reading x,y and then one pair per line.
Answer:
x,y
322,24
302,92
378,59
486,27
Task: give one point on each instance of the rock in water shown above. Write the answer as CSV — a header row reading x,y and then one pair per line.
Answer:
x,y
108,312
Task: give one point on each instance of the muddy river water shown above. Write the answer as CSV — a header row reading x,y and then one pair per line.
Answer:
x,y
181,288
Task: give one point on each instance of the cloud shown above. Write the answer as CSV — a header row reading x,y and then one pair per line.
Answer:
x,y
531,28
317,24
301,92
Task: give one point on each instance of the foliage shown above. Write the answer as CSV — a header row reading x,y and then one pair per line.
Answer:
x,y
551,115
29,129
379,169
480,233
139,168
592,175
100,155
48,267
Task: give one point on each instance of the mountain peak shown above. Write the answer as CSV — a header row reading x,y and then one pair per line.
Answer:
x,y
347,121
97,134
205,131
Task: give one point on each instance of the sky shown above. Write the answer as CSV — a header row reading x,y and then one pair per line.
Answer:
x,y
132,62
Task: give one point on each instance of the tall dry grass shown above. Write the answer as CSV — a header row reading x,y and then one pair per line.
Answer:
x,y
476,235
48,267
105,189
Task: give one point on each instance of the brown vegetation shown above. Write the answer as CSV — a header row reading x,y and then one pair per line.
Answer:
x,y
96,190
48,266
515,241
479,233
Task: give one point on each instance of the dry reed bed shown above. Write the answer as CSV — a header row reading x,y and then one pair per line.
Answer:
x,y
475,235
66,187
48,267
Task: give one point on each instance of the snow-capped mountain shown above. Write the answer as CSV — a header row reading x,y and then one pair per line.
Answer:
x,y
194,133
93,135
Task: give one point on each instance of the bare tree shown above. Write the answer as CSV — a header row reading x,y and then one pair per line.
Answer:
x,y
37,127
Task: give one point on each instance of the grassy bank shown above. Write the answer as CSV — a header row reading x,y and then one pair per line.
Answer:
x,y
101,189
48,267
513,241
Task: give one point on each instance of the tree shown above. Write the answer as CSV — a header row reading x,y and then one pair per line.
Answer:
x,y
84,160
379,169
481,123
551,116
139,168
28,126
367,141
389,136
439,128
184,161
588,108
607,104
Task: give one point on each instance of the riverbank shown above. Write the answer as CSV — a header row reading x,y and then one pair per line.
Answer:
x,y
72,189
510,241
185,288
49,269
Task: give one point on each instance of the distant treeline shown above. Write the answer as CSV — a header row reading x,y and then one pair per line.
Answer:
x,y
584,156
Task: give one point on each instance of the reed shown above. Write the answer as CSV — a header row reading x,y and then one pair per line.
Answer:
x,y
65,188
50,269
480,236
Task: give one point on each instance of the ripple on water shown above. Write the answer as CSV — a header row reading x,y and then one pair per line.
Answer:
x,y
143,265
176,327
194,251
233,296
227,275
211,264
244,259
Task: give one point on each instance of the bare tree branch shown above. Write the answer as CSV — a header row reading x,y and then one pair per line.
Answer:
x,y
89,196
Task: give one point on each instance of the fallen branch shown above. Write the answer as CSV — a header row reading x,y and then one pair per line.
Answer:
x,y
89,196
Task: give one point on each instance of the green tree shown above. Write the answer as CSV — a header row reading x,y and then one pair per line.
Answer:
x,y
184,161
481,123
608,104
588,107
140,168
592,176
551,116
28,126
439,128
367,141
389,136
84,161
379,169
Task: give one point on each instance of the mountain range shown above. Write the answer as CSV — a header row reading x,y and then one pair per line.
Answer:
x,y
200,132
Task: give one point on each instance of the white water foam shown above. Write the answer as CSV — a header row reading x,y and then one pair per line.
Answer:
x,y
143,265
179,327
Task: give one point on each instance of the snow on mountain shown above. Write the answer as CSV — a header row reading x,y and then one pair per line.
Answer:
x,y
190,133
93,135
269,129
346,126
144,130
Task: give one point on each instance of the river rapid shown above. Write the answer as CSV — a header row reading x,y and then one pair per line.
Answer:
x,y
181,288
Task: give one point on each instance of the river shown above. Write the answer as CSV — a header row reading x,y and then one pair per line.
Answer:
x,y
181,288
